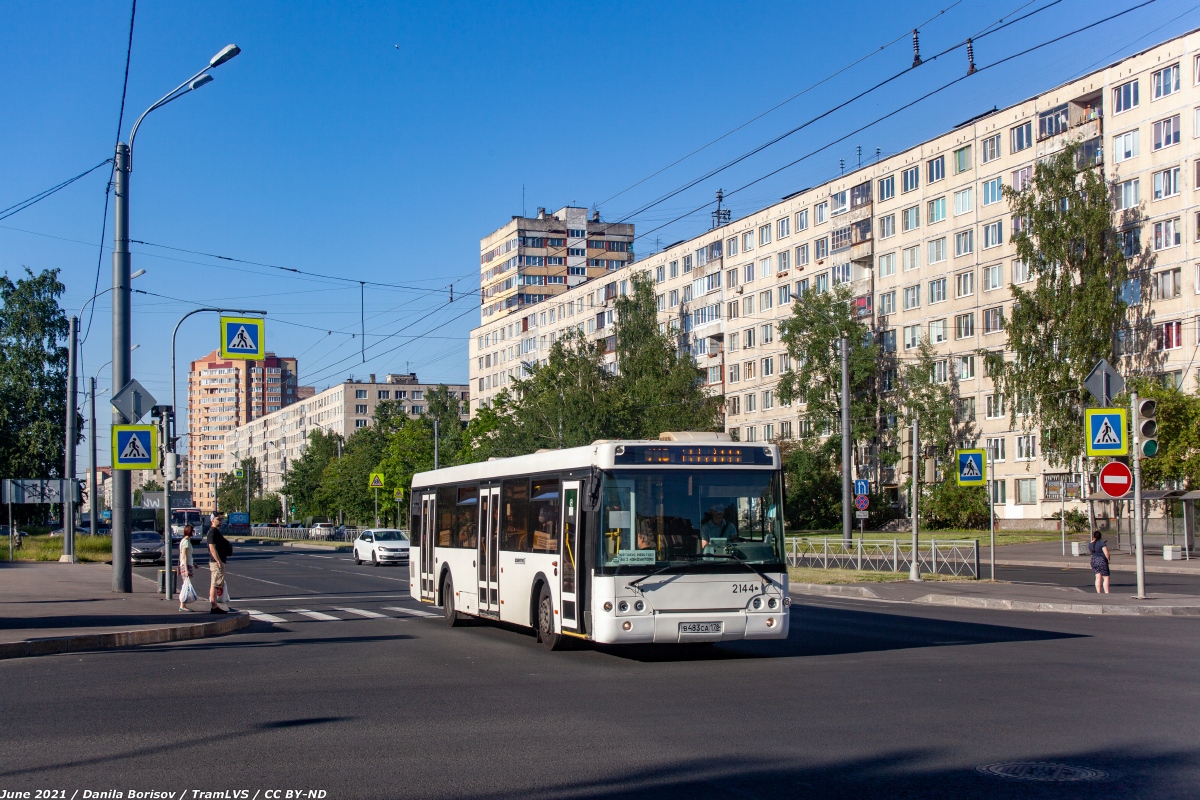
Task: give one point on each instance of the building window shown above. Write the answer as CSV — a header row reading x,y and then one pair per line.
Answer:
x,y
912,337
1026,447
1125,146
1022,178
841,273
910,179
937,331
994,406
1026,491
966,368
964,201
964,326
1052,122
993,278
993,234
936,169
887,225
1166,183
673,296
360,423
1022,137
1165,81
1167,284
1125,97
360,409
937,210
964,284
937,250
887,188
840,202
995,448
783,228
964,242
1020,272
764,235
887,303
940,373
887,265
768,369
1167,234
992,192
888,341
999,493
801,255
802,220
911,297
910,218
991,148
735,374
1127,194
1166,132
910,257
821,248
937,290
1169,335
993,320
360,394
1130,241
962,159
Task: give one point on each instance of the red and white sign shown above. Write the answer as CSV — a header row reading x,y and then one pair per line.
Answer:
x,y
1115,479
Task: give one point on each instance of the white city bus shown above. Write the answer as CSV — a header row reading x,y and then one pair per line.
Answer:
x,y
676,540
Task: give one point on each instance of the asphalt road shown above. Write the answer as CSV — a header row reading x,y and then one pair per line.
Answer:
x,y
863,700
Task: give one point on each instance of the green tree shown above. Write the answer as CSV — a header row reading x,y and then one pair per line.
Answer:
x,y
813,483
303,482
946,420
947,506
231,490
267,508
344,481
1073,314
409,449
813,336
149,487
1178,437
33,375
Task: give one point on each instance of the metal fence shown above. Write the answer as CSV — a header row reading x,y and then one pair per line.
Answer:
x,y
348,534
947,557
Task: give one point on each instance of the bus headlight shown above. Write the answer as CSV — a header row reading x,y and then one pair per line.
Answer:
x,y
772,603
622,606
639,606
757,603
770,622
607,606
627,625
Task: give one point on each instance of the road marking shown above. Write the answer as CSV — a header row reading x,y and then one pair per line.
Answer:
x,y
317,615
316,595
416,612
362,613
359,573
315,556
261,617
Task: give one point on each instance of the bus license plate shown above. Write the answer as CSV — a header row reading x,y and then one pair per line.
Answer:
x,y
699,627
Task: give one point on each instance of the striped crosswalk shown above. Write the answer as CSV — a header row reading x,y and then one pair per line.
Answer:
x,y
337,614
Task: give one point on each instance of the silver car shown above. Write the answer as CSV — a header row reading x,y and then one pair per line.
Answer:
x,y
381,546
147,548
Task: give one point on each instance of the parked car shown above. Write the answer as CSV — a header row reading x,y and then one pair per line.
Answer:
x,y
147,548
78,531
381,546
322,530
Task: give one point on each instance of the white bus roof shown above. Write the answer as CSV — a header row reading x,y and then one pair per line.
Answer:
x,y
600,454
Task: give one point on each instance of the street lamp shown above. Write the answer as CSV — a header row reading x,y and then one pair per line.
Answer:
x,y
121,320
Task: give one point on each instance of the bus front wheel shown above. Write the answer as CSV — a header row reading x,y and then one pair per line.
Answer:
x,y
451,616
545,618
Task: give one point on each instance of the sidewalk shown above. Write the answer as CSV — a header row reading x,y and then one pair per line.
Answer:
x,y
1009,597
1049,554
48,607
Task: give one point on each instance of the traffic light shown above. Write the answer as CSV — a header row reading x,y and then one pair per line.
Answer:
x,y
1146,424
906,451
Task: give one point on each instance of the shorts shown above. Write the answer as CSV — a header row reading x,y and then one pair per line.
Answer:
x,y
1100,565
217,570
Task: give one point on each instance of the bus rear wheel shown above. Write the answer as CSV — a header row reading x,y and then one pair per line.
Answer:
x,y
451,616
545,619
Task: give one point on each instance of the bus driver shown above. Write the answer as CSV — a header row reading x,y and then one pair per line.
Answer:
x,y
716,526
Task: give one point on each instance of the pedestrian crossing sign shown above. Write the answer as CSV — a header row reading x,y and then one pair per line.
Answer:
x,y
972,467
1105,430
376,481
399,493
242,337
135,447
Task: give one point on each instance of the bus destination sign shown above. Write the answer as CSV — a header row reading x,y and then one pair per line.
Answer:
x,y
693,454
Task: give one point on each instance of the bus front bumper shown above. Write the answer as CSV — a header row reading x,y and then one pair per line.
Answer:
x,y
692,626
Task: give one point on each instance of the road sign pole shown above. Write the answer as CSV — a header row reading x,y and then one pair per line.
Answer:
x,y
122,502
914,569
987,465
846,476
376,508
168,474
1139,545
93,500
68,515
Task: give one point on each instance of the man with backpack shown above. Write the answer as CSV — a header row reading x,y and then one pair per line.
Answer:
x,y
219,551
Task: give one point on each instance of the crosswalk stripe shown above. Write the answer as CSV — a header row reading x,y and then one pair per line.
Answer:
x,y
317,615
362,613
261,617
416,612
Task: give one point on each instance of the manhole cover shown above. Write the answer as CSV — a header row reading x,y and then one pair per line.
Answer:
x,y
1042,771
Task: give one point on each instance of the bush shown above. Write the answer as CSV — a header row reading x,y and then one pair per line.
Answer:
x,y
1077,521
947,505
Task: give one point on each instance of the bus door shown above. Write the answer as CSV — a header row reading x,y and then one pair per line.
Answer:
x,y
428,540
569,556
489,550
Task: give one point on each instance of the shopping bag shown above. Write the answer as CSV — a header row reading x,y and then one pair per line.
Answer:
x,y
223,598
187,592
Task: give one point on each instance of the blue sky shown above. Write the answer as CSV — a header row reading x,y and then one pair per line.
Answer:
x,y
380,141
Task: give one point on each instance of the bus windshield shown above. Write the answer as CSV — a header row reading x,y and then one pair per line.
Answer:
x,y
656,518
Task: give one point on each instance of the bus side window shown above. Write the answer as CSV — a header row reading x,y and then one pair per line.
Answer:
x,y
514,508
545,511
467,517
446,499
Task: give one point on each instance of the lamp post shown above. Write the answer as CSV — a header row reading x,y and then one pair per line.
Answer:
x,y
121,321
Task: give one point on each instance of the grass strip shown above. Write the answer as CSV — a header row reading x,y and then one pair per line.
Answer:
x,y
49,548
839,576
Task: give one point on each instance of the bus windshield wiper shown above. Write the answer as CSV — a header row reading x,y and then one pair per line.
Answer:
x,y
744,563
659,571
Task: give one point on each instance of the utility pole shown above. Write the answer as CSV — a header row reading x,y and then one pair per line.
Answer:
x,y
68,514
122,502
991,511
846,476
1138,548
93,505
435,443
246,473
914,567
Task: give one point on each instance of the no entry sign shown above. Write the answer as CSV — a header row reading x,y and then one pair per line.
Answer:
x,y
1115,479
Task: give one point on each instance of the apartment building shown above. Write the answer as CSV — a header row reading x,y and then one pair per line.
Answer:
x,y
531,260
278,438
922,240
225,393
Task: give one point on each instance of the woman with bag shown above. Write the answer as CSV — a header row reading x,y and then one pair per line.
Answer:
x,y
1099,550
187,592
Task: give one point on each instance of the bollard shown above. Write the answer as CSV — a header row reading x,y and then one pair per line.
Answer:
x,y
860,553
825,558
933,556
895,555
976,559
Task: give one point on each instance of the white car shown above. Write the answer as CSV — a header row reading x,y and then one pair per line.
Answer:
x,y
381,546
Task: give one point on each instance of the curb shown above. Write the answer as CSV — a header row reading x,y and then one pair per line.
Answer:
x,y
832,589
1059,608
102,641
320,548
1150,568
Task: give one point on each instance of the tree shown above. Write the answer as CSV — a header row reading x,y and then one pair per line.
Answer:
x,y
814,484
231,490
1178,437
946,506
813,336
149,487
344,481
267,508
33,375
945,422
1074,313
303,481
409,449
